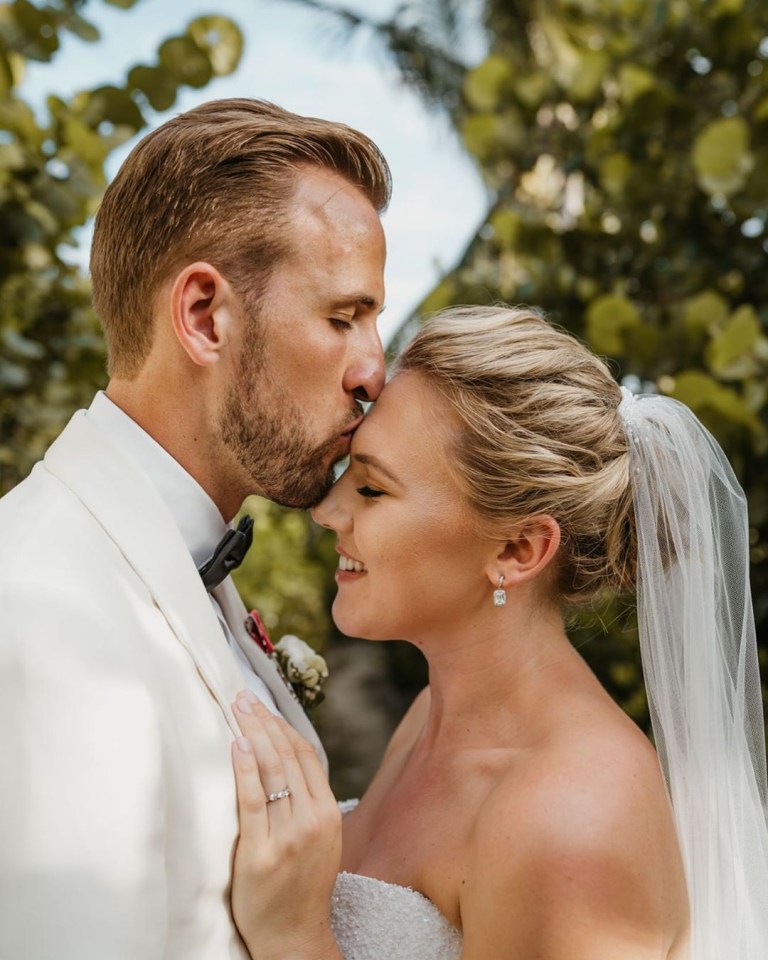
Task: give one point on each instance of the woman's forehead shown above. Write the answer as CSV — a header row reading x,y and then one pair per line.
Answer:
x,y
406,426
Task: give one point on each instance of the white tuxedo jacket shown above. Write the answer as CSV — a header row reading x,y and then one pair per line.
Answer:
x,y
118,814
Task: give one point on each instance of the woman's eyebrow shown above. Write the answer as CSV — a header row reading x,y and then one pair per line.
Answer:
x,y
369,460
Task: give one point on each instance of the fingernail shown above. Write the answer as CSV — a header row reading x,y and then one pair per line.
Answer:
x,y
243,706
244,744
248,695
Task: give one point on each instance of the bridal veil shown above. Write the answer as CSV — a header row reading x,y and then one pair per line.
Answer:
x,y
699,653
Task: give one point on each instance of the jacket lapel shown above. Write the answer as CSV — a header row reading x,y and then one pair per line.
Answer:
x,y
235,614
124,502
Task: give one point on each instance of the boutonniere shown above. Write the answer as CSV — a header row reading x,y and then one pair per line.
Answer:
x,y
303,670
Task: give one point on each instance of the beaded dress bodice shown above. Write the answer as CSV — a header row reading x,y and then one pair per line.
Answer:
x,y
375,920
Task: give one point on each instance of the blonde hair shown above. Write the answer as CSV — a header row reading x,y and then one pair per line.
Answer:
x,y
539,433
211,184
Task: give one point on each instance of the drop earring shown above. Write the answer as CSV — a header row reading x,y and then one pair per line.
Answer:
x,y
500,594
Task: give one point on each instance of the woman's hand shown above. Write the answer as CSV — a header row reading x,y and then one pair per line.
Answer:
x,y
289,849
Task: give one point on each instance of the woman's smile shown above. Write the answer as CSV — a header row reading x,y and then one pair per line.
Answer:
x,y
349,568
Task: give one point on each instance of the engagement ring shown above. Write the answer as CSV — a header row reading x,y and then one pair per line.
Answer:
x,y
280,795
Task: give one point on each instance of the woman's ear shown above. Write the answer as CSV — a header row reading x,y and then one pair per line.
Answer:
x,y
527,553
203,312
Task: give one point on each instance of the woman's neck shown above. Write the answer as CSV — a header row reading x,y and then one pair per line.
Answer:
x,y
490,679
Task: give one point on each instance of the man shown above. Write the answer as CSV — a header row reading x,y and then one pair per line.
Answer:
x,y
237,269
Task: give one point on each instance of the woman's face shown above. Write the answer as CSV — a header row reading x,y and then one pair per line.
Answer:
x,y
410,560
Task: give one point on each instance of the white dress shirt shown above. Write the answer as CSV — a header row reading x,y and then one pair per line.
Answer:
x,y
195,514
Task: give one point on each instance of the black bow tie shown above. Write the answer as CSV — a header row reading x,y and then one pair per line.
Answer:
x,y
228,555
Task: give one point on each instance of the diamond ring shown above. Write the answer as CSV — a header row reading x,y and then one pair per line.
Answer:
x,y
280,795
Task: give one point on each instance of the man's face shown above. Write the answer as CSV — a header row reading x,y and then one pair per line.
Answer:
x,y
310,348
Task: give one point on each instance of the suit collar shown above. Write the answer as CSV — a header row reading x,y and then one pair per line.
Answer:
x,y
194,513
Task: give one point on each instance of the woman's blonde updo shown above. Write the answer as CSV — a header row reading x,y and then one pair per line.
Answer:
x,y
539,434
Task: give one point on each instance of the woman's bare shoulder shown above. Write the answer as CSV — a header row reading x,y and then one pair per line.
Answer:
x,y
581,784
576,836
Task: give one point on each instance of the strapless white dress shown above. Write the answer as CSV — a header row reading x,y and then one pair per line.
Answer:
x,y
374,920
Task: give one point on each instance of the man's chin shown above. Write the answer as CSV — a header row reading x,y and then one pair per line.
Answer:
x,y
303,497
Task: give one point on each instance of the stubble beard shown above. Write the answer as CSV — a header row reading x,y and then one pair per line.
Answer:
x,y
266,433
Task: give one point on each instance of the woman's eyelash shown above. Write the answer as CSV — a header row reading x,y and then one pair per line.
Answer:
x,y
369,492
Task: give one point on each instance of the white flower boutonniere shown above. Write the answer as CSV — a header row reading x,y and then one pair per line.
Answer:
x,y
303,671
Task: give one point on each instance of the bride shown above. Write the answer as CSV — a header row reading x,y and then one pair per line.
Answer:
x,y
501,480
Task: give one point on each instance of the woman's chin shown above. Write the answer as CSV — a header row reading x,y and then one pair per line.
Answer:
x,y
357,628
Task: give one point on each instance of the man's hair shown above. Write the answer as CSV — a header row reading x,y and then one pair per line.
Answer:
x,y
211,184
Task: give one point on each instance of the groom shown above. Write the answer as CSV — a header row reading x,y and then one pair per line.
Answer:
x,y
237,269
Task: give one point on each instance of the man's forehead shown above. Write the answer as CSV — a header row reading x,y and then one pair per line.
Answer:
x,y
324,195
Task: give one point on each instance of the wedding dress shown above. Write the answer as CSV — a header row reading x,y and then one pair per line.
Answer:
x,y
375,920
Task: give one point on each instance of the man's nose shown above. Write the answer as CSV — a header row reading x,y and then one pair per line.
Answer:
x,y
366,374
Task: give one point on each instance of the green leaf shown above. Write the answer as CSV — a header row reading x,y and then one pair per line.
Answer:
x,y
484,84
490,135
614,173
608,317
6,76
38,28
704,311
730,352
185,61
721,156
220,38
533,88
13,157
157,85
113,104
81,28
587,74
726,8
701,392
85,142
506,227
18,118
122,4
760,111
634,81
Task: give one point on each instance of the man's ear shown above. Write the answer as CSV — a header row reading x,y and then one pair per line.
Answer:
x,y
203,312
527,553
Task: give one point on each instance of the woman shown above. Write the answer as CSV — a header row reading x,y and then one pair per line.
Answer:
x,y
502,479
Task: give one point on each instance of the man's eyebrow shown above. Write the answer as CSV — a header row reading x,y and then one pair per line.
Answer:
x,y
355,299
369,460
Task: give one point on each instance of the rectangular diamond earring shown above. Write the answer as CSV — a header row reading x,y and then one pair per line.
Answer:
x,y
500,594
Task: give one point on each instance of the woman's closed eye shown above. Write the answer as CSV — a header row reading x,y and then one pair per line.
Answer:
x,y
366,491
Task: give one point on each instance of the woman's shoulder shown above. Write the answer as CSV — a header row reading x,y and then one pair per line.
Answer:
x,y
584,781
578,830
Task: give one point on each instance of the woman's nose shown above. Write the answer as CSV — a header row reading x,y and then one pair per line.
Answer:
x,y
330,513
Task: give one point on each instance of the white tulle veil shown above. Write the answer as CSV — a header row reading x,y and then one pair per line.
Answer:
x,y
699,653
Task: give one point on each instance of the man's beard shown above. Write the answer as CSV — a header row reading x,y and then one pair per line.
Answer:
x,y
269,438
